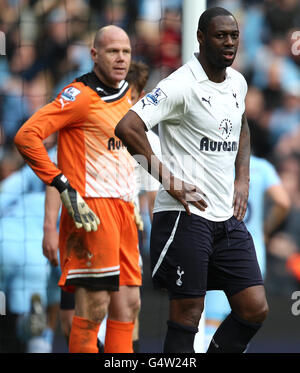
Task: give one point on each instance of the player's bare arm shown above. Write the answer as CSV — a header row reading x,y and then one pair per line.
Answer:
x,y
242,178
50,238
131,130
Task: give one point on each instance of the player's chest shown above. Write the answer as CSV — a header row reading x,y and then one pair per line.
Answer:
x,y
216,111
103,117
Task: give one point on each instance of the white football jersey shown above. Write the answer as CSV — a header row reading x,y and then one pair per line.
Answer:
x,y
199,129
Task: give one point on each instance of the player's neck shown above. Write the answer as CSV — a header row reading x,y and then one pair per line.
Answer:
x,y
105,81
216,75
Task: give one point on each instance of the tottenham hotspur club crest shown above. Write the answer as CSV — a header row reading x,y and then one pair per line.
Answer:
x,y
179,273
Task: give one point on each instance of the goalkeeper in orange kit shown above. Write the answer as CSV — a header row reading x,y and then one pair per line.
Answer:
x,y
98,240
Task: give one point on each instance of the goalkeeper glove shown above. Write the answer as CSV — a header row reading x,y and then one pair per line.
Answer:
x,y
77,208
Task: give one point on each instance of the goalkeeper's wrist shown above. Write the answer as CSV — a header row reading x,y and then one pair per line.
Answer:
x,y
60,182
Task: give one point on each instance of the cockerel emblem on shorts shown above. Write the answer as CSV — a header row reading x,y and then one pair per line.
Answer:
x,y
180,273
89,259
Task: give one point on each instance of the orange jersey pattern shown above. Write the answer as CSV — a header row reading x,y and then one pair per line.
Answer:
x,y
93,159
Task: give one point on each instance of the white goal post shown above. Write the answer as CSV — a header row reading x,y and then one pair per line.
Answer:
x,y
191,9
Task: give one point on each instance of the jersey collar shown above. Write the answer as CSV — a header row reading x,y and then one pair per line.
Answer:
x,y
107,94
198,71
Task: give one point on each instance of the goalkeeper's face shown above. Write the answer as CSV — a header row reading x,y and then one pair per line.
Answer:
x,y
112,57
220,42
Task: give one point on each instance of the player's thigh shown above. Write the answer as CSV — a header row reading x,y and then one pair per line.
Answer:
x,y
91,259
91,304
180,250
125,303
234,266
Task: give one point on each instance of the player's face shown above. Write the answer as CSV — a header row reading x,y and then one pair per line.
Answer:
x,y
221,41
112,58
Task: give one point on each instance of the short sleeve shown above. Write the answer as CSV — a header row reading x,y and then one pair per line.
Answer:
x,y
243,86
165,102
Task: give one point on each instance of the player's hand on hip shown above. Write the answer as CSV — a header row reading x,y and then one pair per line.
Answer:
x,y
240,198
77,208
187,193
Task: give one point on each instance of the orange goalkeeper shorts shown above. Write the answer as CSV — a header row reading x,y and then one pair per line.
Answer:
x,y
105,259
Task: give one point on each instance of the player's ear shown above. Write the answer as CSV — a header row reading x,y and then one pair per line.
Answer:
x,y
94,53
200,36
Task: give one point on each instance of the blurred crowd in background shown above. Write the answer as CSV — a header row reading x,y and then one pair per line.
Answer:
x,y
48,44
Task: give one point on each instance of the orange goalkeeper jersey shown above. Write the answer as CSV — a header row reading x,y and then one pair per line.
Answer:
x,y
95,162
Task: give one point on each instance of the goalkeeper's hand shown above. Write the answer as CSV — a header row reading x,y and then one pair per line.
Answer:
x,y
77,208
